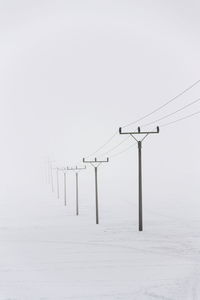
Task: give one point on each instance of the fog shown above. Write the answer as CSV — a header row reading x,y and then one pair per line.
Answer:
x,y
72,72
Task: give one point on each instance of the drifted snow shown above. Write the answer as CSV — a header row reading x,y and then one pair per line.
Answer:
x,y
47,253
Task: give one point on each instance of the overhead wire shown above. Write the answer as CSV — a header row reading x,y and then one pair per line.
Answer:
x,y
144,117
159,108
181,119
105,144
169,123
162,125
173,113
163,105
116,146
123,151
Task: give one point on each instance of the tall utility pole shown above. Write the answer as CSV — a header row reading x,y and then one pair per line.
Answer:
x,y
77,194
96,163
139,142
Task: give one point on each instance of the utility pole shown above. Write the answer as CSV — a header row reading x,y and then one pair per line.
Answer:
x,y
58,187
139,142
48,172
51,175
77,194
64,184
65,191
96,163
57,181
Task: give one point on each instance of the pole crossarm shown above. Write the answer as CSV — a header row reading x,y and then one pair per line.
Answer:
x,y
76,168
139,131
95,161
63,169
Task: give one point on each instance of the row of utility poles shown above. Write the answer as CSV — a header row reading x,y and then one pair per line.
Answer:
x,y
96,163
64,171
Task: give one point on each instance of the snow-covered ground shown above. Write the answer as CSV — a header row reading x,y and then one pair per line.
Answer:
x,y
47,253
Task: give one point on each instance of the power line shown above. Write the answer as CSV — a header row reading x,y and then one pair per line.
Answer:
x,y
106,143
173,113
181,119
163,105
144,117
147,124
123,151
115,147
166,124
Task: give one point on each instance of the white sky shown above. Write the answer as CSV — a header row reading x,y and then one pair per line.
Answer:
x,y
72,72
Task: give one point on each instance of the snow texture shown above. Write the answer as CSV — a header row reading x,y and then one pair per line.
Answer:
x,y
50,254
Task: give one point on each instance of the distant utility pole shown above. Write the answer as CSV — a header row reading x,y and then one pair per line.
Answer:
x,y
57,179
65,191
49,163
51,174
139,142
77,194
64,184
46,171
96,163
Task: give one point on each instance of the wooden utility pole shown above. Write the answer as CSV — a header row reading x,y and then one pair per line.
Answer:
x,y
77,170
96,163
139,142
